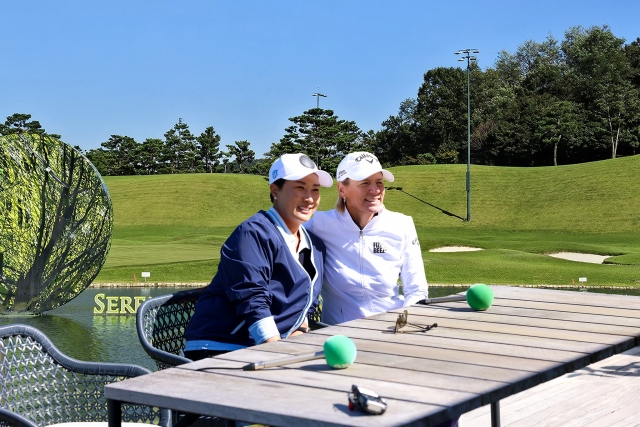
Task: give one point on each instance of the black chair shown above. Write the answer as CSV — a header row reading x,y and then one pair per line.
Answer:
x,y
161,322
39,385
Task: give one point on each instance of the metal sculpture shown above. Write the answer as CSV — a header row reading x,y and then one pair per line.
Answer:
x,y
56,221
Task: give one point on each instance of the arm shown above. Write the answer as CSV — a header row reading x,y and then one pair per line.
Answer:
x,y
299,331
414,281
246,260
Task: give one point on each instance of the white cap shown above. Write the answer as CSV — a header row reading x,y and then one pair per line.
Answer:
x,y
360,165
296,166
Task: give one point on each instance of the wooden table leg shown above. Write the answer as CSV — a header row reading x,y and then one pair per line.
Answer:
x,y
495,414
114,413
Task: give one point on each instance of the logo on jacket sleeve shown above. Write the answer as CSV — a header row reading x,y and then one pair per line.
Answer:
x,y
415,242
379,248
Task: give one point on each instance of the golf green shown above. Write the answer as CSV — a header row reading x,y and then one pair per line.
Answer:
x,y
174,225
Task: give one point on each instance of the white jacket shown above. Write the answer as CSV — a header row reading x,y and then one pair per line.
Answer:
x,y
362,267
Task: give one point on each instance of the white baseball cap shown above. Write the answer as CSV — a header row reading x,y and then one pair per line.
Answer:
x,y
297,166
360,165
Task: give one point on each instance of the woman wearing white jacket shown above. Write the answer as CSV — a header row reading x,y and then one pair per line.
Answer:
x,y
370,250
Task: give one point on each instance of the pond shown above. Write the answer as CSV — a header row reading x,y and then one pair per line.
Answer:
x,y
103,337
84,330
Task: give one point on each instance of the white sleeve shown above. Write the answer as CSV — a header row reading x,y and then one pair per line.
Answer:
x,y
414,281
263,329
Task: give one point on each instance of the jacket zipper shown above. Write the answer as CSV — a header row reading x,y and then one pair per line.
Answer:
x,y
362,248
301,320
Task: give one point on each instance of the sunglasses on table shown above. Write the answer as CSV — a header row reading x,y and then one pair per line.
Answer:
x,y
403,325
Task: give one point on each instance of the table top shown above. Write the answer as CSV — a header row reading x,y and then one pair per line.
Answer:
x,y
472,358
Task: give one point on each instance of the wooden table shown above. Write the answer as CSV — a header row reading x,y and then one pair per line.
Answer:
x,y
528,336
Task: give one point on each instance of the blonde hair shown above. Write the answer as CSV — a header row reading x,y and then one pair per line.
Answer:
x,y
341,203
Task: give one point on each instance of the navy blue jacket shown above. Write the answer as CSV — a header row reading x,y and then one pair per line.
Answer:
x,y
257,277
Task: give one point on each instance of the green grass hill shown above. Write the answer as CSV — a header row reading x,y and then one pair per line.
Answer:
x,y
174,225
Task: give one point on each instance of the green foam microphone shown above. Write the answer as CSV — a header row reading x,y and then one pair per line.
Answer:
x,y
479,297
339,352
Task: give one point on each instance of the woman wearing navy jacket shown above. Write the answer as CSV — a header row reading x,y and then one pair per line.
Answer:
x,y
270,271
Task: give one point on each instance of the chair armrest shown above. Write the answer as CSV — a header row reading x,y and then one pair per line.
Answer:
x,y
13,419
156,354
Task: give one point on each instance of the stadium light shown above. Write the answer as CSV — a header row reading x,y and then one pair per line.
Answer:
x,y
467,56
318,95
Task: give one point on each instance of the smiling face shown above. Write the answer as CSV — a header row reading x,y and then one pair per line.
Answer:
x,y
364,198
296,201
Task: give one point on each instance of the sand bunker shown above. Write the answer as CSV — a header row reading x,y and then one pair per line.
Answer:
x,y
455,249
569,256
579,257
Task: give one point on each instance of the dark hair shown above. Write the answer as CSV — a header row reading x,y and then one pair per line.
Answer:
x,y
278,183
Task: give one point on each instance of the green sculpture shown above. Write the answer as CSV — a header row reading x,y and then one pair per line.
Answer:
x,y
56,222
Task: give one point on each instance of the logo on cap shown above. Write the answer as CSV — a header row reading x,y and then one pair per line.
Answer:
x,y
366,156
274,174
307,162
342,172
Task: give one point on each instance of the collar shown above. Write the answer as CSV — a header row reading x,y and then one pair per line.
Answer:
x,y
346,218
288,236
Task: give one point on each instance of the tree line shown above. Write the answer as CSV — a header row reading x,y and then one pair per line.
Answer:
x,y
550,102
180,151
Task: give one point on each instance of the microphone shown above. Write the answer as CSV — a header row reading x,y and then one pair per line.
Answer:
x,y
452,298
479,297
339,351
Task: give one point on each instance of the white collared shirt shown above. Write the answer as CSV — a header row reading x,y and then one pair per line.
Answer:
x,y
289,237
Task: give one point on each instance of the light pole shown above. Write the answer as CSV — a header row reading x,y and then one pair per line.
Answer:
x,y
318,95
467,55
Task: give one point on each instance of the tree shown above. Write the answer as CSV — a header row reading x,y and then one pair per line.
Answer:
x,y
550,102
103,161
150,156
210,154
242,154
397,140
123,155
536,115
226,159
632,52
260,167
19,123
557,119
181,150
442,113
321,135
602,82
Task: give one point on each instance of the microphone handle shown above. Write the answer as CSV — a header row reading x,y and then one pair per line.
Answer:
x,y
452,298
284,361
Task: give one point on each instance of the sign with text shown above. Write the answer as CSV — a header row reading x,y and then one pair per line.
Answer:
x,y
117,304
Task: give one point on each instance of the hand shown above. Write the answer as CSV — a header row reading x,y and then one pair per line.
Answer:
x,y
298,331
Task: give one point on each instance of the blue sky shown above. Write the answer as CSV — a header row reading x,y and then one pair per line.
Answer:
x,y
88,69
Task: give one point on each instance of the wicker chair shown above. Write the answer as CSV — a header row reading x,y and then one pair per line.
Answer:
x,y
39,385
161,322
